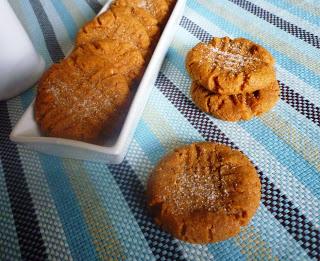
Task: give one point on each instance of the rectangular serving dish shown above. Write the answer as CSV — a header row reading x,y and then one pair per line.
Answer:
x,y
26,131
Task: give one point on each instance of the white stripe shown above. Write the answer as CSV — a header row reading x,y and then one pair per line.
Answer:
x,y
289,17
60,31
298,85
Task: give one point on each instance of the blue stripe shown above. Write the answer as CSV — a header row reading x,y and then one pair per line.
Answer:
x,y
233,252
95,5
297,165
30,22
286,155
73,222
148,142
304,73
268,24
135,245
66,18
46,27
85,9
296,11
277,21
126,177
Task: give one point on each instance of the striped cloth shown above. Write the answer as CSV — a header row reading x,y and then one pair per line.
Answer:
x,y
62,209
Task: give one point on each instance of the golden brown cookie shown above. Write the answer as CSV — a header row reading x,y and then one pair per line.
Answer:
x,y
80,104
114,56
157,8
227,66
204,192
143,16
235,107
114,25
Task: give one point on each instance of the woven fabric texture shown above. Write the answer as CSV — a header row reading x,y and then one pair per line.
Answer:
x,y
62,209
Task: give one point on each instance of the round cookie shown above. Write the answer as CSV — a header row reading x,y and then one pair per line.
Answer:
x,y
115,26
143,16
227,66
79,104
114,56
238,106
203,192
159,9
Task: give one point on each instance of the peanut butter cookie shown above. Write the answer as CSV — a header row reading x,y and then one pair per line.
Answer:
x,y
226,66
235,107
80,102
204,192
159,9
143,16
114,25
114,56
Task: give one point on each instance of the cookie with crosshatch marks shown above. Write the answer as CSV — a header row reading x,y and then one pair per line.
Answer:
x,y
231,66
115,25
81,100
241,106
114,56
143,16
203,192
159,9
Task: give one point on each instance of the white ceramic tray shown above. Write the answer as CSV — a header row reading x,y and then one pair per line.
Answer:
x,y
26,131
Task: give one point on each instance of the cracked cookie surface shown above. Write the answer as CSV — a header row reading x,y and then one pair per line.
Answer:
x,y
231,66
114,25
114,56
159,9
81,101
143,16
203,192
236,107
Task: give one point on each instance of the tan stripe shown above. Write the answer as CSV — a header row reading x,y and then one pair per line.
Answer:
x,y
240,21
293,138
253,246
309,7
99,224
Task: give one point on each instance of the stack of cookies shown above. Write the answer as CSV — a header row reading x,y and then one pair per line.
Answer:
x,y
233,79
84,97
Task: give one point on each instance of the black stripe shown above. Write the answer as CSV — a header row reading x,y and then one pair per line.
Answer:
x,y
290,28
161,244
95,5
301,104
47,31
294,99
278,204
25,219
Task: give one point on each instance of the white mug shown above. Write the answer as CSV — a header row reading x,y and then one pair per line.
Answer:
x,y
20,64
